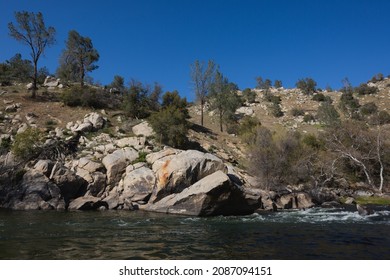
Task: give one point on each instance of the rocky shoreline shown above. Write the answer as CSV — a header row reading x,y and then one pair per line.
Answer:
x,y
129,174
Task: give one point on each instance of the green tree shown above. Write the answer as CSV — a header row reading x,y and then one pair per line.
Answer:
x,y
22,70
263,84
278,84
202,78
32,31
118,84
249,95
79,56
307,85
170,122
223,98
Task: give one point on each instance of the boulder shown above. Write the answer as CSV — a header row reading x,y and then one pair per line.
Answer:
x,y
137,143
51,82
151,158
115,164
182,170
212,195
95,119
29,86
44,166
299,200
97,185
138,184
246,111
84,127
143,129
87,203
11,108
68,182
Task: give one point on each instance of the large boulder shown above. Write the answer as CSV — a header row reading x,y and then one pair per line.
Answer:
x,y
138,184
143,129
95,119
177,172
299,200
212,195
68,182
137,143
51,82
87,203
115,163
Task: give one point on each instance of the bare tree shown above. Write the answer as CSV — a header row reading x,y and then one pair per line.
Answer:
x,y
202,78
31,31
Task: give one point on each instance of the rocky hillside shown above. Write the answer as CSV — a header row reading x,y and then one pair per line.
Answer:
x,y
101,160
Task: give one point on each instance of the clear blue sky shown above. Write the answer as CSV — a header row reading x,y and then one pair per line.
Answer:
x,y
157,40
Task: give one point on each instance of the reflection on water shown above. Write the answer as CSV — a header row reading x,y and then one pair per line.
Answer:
x,y
309,234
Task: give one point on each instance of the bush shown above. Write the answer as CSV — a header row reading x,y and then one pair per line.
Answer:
x,y
5,145
249,95
319,97
348,104
141,157
308,118
28,143
378,77
383,117
307,85
364,89
368,108
297,112
269,97
247,129
276,110
84,97
327,114
312,141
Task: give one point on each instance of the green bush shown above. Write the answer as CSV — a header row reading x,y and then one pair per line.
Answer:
x,y
297,112
269,97
368,108
327,114
84,97
312,141
141,157
308,118
249,95
364,89
307,85
276,110
383,117
28,143
247,129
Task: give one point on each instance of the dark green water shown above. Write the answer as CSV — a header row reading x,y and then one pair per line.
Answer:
x,y
309,234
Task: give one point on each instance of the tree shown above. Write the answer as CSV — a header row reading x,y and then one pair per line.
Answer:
x,y
278,84
31,30
327,114
307,85
249,95
202,78
224,98
21,69
263,84
118,84
79,57
170,122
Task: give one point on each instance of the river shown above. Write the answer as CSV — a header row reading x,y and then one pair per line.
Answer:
x,y
310,234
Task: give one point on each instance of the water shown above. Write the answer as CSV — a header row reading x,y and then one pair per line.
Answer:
x,y
309,234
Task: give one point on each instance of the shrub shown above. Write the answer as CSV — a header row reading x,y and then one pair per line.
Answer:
x,y
308,118
247,129
312,141
28,143
297,112
141,157
85,97
364,89
307,85
378,77
276,110
368,108
5,145
269,97
348,104
383,117
327,114
249,95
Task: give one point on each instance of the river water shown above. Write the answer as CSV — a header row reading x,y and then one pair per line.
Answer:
x,y
310,234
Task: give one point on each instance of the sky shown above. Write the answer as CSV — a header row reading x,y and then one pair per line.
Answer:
x,y
157,40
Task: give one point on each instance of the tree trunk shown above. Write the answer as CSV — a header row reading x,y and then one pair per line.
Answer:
x,y
201,112
35,78
220,122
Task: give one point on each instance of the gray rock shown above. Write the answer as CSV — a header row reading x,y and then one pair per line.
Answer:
x,y
86,203
115,164
151,158
51,82
137,143
98,184
350,200
69,183
138,184
143,129
95,119
30,86
44,166
182,170
11,108
212,195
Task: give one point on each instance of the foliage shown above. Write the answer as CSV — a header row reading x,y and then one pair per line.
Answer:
x,y
223,98
118,84
140,100
84,97
247,129
263,84
297,112
278,84
308,118
307,85
348,104
170,122
327,114
276,110
269,97
364,89
28,143
320,97
202,77
141,157
249,95
368,108
31,31
78,58
377,78
278,160
312,141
